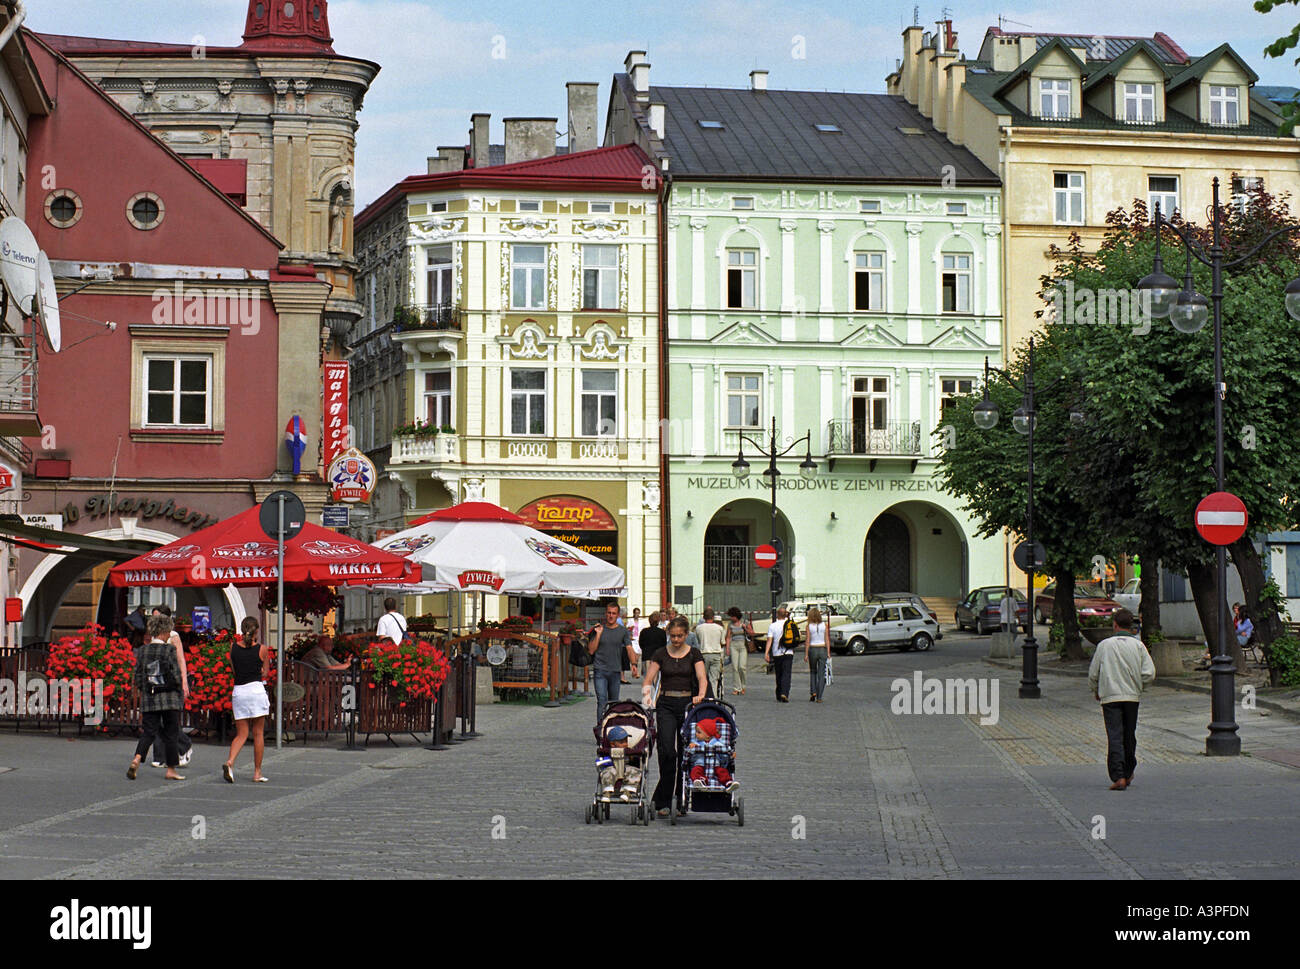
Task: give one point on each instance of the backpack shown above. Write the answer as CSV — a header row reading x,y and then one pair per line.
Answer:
x,y
790,635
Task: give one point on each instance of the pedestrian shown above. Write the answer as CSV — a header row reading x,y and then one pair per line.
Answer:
x,y
609,644
682,682
710,639
249,702
816,653
740,633
392,623
634,628
1120,670
186,745
652,639
782,638
134,624
1007,610
162,689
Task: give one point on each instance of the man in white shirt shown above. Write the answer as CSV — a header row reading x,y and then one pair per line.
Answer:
x,y
780,653
711,638
1121,669
391,623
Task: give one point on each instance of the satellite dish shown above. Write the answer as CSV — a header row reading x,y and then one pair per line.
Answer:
x,y
18,259
47,302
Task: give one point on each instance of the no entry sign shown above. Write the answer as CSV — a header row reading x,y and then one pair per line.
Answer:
x,y
1221,518
765,556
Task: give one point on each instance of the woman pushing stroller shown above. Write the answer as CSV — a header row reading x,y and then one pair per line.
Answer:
x,y
682,683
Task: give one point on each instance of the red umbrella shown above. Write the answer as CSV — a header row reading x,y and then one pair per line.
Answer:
x,y
237,552
471,511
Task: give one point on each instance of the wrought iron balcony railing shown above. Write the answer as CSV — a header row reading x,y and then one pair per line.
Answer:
x,y
894,439
436,316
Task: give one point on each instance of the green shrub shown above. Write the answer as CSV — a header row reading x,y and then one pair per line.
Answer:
x,y
1056,638
1284,656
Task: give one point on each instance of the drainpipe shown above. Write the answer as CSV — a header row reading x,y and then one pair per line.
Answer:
x,y
17,14
665,506
1004,153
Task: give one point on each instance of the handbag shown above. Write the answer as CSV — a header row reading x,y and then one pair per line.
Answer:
x,y
158,678
578,655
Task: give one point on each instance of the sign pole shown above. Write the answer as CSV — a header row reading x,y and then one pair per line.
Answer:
x,y
279,656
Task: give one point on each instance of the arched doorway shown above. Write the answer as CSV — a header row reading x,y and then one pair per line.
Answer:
x,y
915,546
887,556
730,576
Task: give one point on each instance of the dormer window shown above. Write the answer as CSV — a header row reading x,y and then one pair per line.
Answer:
x,y
1224,107
1140,103
1054,98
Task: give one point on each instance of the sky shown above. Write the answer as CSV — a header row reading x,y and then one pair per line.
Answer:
x,y
443,61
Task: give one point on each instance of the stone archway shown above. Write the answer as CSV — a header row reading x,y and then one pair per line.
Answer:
x,y
730,576
916,546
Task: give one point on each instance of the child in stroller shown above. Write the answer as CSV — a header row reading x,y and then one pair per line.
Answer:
x,y
709,765
709,756
624,743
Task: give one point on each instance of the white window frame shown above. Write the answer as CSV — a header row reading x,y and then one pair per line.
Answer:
x,y
606,278
876,276
449,393
1223,97
529,269
869,206
743,392
530,393
742,203
600,395
435,207
447,276
943,394
528,205
1050,90
1240,186
1068,193
1162,196
600,208
176,360
741,267
967,273
1139,93
870,395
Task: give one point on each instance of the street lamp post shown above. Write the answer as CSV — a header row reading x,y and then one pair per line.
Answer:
x,y
807,468
1188,312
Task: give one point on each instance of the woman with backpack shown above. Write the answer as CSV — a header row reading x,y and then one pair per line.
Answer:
x,y
782,638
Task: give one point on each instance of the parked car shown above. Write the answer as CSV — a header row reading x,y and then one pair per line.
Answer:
x,y
1130,597
1090,600
981,609
912,597
896,624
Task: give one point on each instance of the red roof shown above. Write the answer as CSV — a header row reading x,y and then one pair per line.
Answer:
x,y
619,168
471,511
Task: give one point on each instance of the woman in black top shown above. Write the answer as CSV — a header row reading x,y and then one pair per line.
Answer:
x,y
249,703
682,682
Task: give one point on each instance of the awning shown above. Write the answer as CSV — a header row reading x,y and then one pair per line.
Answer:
x,y
15,531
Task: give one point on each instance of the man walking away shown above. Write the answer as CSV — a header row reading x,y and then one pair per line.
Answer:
x,y
710,637
779,651
609,643
391,623
1121,668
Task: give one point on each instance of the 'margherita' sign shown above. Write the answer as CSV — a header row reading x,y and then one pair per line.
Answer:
x,y
335,412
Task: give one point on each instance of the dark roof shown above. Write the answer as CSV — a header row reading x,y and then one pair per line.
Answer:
x,y
1275,93
1196,70
1110,47
770,135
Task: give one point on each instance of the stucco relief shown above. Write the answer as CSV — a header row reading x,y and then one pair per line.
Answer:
x,y
623,303
650,496
435,229
184,102
599,228
529,227
553,277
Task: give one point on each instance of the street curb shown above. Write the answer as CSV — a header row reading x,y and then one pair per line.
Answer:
x,y
1289,712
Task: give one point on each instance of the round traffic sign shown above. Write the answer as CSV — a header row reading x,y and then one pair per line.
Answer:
x,y
1021,556
268,516
1221,518
765,556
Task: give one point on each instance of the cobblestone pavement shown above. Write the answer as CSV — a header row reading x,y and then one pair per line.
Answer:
x,y
843,788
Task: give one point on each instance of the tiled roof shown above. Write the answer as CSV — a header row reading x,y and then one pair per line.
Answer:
x,y
771,134
1110,46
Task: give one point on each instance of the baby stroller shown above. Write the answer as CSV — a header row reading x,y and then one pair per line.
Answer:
x,y
713,797
621,770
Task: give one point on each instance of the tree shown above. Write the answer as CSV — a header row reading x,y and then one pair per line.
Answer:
x,y
1290,112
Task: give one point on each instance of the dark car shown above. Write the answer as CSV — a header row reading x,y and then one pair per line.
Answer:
x,y
981,610
1090,601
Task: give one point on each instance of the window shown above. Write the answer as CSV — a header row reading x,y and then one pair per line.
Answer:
x,y
711,125
63,208
599,405
745,202
528,277
870,413
528,402
743,390
1223,105
599,277
950,388
597,208
956,208
956,284
868,281
529,205
1140,103
437,398
145,210
742,278
1067,194
437,206
178,391
869,206
1242,186
1162,190
438,278
1054,98
828,129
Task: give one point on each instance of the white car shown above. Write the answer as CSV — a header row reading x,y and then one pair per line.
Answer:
x,y
1130,597
881,625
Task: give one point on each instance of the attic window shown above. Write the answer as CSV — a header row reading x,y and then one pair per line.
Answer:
x,y
832,129
910,130
530,205
956,208
745,202
711,125
599,207
869,206
437,206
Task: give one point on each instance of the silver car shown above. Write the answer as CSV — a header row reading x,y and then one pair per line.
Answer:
x,y
887,625
1130,597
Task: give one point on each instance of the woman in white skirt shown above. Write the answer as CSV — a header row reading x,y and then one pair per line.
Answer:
x,y
248,700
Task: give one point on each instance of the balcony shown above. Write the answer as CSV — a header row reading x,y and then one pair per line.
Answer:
x,y
17,389
435,449
858,439
422,318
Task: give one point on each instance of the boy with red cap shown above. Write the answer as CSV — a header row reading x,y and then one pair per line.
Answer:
x,y
709,756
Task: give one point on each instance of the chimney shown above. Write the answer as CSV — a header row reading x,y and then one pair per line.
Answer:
x,y
956,87
582,115
449,159
638,68
479,140
949,35
529,138
758,80
657,111
911,48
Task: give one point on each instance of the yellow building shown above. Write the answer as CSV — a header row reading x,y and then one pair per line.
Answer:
x,y
1077,126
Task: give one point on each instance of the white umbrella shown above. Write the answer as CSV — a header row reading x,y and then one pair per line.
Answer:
x,y
477,546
